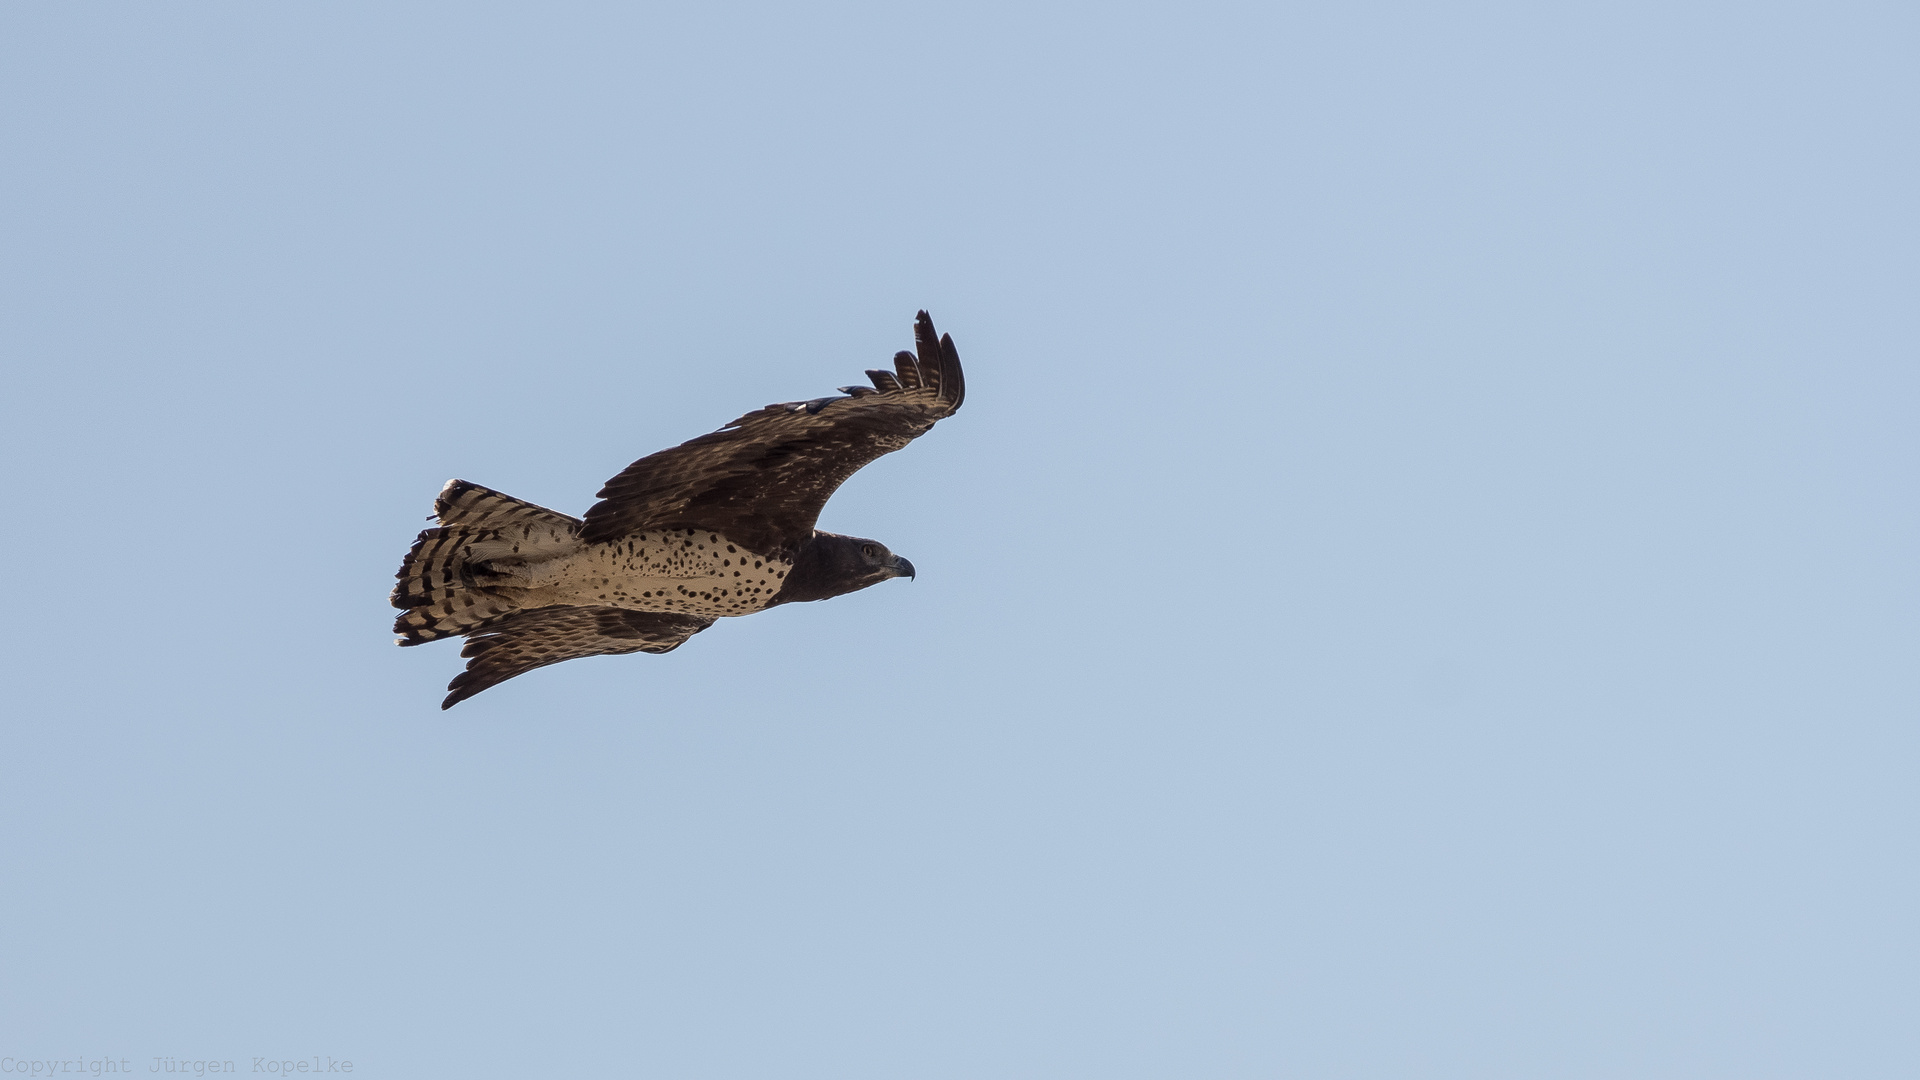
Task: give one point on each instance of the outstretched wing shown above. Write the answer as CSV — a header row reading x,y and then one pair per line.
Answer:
x,y
763,479
519,643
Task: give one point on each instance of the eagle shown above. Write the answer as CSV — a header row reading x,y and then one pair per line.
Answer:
x,y
719,525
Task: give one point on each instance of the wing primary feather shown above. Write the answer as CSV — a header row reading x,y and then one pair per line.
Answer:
x,y
953,384
883,380
927,344
908,370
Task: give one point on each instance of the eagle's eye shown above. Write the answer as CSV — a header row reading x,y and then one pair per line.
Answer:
x,y
870,551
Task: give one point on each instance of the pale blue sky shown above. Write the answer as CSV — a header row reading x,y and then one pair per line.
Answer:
x,y
1424,584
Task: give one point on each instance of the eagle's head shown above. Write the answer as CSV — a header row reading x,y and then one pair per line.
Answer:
x,y
833,565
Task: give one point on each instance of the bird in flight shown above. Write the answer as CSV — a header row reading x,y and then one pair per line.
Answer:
x,y
719,525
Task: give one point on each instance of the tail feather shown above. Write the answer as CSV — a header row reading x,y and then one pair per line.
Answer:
x,y
441,587
462,503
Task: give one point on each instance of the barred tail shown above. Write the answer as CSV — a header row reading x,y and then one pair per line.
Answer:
x,y
442,590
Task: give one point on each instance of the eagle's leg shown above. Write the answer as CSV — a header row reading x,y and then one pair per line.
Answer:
x,y
514,572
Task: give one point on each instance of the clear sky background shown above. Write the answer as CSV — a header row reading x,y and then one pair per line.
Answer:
x,y
1424,584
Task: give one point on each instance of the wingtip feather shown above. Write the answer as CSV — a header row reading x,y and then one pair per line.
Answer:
x,y
953,381
939,361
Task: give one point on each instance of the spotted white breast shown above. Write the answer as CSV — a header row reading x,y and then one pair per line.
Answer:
x,y
683,570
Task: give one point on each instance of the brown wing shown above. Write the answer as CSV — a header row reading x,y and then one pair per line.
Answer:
x,y
763,479
519,643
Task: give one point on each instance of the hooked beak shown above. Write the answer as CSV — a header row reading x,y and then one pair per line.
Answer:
x,y
900,567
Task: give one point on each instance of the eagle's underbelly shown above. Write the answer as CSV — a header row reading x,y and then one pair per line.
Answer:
x,y
698,573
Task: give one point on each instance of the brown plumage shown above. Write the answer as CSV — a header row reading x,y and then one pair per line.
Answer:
x,y
719,525
764,478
